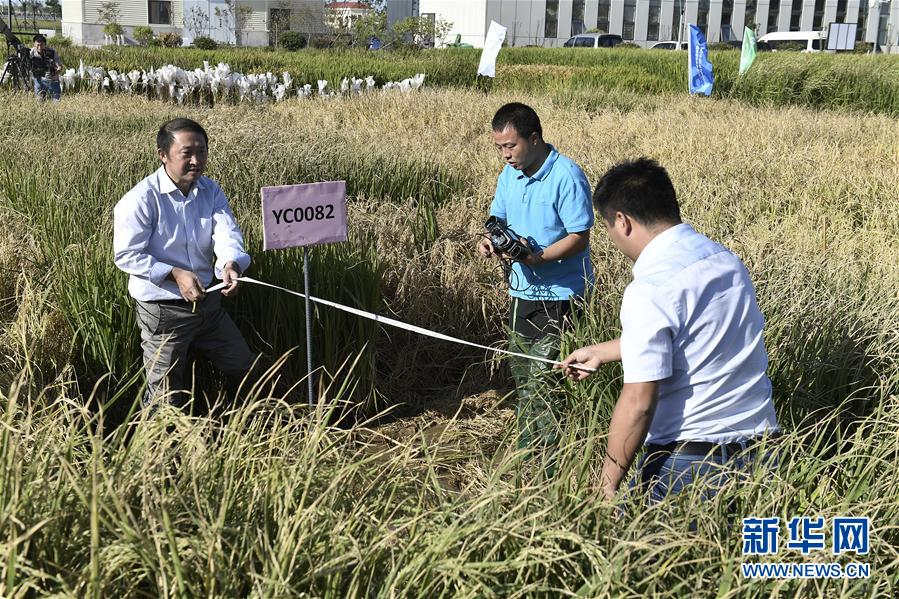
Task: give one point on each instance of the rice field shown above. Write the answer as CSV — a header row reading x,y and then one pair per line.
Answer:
x,y
421,493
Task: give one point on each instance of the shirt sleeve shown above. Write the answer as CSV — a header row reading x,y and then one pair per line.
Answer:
x,y
648,326
227,240
498,206
574,204
134,220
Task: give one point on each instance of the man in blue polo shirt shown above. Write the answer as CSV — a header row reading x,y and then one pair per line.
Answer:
x,y
544,198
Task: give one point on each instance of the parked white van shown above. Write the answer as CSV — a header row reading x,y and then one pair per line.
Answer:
x,y
814,41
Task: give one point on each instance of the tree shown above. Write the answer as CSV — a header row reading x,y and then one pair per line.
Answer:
x,y
371,25
109,13
423,31
358,30
54,7
309,19
278,21
233,18
197,21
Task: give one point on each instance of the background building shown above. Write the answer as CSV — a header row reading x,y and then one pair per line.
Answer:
x,y
249,22
551,22
342,15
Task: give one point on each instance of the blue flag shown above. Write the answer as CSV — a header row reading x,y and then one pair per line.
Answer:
x,y
701,76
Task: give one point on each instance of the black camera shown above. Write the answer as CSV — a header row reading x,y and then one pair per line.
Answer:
x,y
505,240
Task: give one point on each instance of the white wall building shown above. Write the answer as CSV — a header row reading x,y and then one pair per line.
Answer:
x,y
552,22
261,19
342,15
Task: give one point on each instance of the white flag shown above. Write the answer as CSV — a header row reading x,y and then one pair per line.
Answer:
x,y
492,43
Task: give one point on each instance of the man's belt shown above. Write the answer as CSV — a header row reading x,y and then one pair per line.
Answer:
x,y
707,447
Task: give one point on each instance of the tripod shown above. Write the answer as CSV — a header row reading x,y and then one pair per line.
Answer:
x,y
15,67
17,63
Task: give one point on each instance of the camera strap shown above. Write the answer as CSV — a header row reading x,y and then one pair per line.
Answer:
x,y
397,323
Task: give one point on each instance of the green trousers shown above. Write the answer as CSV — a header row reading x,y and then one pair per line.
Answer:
x,y
535,329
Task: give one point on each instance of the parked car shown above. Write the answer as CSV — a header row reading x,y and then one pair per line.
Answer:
x,y
669,46
594,40
806,41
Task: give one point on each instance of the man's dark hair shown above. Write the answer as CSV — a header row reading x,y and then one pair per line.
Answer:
x,y
167,132
39,37
521,116
639,188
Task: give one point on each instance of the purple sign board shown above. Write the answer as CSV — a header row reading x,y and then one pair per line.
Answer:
x,y
307,214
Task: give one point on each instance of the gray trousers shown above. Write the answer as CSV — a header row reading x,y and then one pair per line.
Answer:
x,y
169,330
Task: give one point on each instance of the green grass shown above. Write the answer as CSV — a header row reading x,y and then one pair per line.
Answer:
x,y
826,81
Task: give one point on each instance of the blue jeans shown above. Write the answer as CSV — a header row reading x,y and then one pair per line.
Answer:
x,y
45,87
661,473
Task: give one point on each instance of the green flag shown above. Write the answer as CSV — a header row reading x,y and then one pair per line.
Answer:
x,y
747,55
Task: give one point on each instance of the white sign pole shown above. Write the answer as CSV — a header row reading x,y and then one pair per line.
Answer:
x,y
309,385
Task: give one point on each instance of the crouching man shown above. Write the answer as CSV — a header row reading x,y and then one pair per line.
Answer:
x,y
173,231
691,347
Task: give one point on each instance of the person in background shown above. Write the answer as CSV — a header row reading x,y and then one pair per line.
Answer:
x,y
45,69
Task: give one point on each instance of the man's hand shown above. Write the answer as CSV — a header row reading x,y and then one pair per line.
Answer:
x,y
229,278
533,258
485,248
188,284
592,356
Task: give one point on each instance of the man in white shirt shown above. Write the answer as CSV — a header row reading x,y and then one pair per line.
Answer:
x,y
172,232
691,346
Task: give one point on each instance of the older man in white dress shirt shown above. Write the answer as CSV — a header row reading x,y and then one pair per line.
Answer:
x,y
173,232
692,350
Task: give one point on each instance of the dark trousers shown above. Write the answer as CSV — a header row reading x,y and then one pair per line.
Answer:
x,y
170,330
535,329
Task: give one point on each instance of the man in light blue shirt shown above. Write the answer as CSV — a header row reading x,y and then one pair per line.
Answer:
x,y
173,232
692,348
544,198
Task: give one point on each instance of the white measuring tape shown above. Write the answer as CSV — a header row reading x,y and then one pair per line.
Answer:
x,y
401,325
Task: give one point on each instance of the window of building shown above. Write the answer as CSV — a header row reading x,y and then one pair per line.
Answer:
x,y
676,25
773,10
551,19
279,22
702,17
862,21
160,12
602,15
795,15
749,20
577,17
818,16
655,14
841,11
882,23
630,8
727,10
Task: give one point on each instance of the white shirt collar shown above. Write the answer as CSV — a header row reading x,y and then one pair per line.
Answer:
x,y
166,185
659,245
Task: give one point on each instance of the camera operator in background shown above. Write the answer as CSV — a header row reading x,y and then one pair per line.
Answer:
x,y
543,200
45,69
